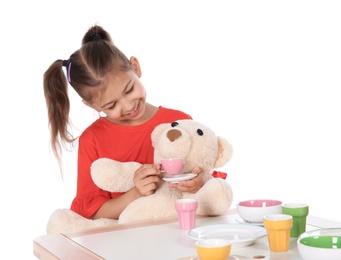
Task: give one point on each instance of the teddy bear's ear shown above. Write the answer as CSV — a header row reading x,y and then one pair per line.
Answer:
x,y
155,135
225,152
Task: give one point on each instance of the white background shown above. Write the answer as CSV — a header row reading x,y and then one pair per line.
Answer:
x,y
263,74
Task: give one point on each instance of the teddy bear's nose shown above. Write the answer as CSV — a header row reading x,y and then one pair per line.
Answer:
x,y
173,134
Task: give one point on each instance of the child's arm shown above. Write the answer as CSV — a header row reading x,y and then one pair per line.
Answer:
x,y
146,179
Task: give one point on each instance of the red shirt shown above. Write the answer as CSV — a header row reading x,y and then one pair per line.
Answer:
x,y
103,139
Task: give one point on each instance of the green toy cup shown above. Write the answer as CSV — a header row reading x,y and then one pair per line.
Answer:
x,y
299,213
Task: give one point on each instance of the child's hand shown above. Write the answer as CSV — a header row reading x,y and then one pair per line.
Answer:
x,y
192,185
147,178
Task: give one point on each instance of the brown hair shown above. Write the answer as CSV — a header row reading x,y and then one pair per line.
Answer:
x,y
85,71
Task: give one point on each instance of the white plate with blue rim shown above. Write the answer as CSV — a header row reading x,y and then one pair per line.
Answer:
x,y
241,235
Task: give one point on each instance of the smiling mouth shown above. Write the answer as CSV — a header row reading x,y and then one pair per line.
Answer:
x,y
133,112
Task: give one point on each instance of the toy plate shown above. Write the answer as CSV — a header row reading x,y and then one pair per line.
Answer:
x,y
241,235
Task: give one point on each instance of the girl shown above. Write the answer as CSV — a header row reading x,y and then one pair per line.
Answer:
x,y
108,82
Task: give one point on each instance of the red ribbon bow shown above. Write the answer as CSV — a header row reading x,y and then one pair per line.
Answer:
x,y
217,174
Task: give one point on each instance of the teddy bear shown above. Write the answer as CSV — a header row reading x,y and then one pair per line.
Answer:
x,y
188,139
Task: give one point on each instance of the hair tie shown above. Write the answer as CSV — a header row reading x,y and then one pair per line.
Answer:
x,y
96,36
67,64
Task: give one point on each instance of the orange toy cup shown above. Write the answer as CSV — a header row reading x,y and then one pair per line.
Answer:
x,y
278,227
213,249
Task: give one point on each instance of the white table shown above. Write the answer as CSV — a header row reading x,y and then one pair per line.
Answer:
x,y
157,239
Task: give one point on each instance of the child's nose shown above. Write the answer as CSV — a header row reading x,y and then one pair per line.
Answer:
x,y
128,106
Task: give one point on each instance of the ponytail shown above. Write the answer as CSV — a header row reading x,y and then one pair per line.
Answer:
x,y
58,107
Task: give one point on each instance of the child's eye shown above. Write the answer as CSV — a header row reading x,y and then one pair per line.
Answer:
x,y
130,90
112,106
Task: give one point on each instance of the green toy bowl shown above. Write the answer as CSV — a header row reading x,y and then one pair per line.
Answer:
x,y
320,244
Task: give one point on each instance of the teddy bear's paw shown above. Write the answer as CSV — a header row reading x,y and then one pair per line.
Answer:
x,y
108,174
214,198
66,221
143,215
158,205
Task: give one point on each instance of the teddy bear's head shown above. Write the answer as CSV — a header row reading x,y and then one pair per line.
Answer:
x,y
191,140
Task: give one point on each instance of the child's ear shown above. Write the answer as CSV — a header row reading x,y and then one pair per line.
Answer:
x,y
136,65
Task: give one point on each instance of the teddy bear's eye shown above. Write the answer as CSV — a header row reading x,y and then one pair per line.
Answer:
x,y
200,132
174,124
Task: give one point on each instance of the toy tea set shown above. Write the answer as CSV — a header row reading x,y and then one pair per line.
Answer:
x,y
181,145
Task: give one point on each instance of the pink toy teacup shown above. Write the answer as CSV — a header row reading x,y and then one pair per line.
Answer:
x,y
173,165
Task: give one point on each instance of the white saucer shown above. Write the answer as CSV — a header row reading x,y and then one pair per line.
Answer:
x,y
242,221
241,235
179,177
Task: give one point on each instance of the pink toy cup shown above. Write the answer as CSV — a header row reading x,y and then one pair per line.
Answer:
x,y
186,209
173,165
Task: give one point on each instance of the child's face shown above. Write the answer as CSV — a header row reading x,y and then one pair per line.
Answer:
x,y
124,99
